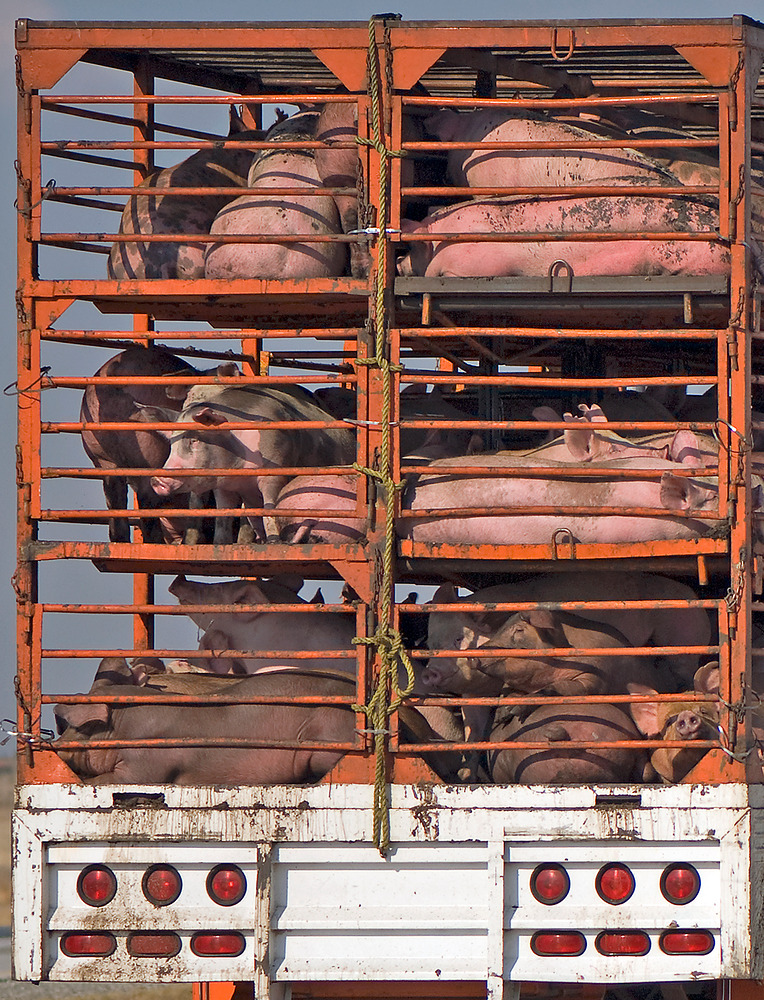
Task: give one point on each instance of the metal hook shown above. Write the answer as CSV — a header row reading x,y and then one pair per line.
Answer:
x,y
554,272
571,46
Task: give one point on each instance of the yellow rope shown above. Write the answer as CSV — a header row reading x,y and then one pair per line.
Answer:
x,y
388,694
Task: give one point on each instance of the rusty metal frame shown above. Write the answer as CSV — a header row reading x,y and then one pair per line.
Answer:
x,y
725,57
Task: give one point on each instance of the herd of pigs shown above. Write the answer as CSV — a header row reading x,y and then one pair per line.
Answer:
x,y
335,167
668,477
598,661
649,472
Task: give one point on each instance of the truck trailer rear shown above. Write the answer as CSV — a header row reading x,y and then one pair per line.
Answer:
x,y
428,252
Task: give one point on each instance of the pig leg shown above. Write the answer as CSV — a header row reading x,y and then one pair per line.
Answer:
x,y
115,493
223,534
477,724
270,487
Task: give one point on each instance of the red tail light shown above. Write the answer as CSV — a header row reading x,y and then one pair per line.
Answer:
x,y
687,942
97,885
622,943
615,883
161,885
556,943
550,884
226,885
153,944
227,945
680,884
77,945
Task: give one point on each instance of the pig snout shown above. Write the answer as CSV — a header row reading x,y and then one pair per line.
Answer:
x,y
688,726
437,674
164,486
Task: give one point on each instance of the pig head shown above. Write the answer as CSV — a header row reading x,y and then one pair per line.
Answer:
x,y
689,721
206,443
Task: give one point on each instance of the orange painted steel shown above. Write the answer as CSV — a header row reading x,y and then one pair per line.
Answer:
x,y
709,80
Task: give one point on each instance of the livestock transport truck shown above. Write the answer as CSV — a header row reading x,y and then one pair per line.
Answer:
x,y
610,255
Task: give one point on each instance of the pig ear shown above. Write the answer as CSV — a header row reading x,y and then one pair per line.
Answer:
x,y
81,717
645,713
580,440
176,391
539,618
248,592
594,414
545,413
228,370
208,417
680,493
685,448
156,414
476,444
707,678
445,594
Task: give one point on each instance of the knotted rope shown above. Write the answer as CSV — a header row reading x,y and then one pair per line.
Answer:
x,y
388,694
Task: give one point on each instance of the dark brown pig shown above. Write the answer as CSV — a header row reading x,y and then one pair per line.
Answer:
x,y
189,765
559,725
261,213
141,449
213,406
435,257
155,214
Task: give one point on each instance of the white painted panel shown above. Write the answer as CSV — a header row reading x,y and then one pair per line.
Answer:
x,y
342,912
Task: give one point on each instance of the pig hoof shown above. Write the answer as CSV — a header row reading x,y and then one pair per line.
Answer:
x,y
246,535
273,539
466,775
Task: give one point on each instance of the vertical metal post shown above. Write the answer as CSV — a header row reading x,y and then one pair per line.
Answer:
x,y
739,348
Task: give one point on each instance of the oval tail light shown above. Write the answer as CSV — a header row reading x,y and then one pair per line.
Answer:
x,y
226,885
558,943
687,942
76,944
97,885
550,884
228,944
615,883
161,884
680,884
153,944
622,943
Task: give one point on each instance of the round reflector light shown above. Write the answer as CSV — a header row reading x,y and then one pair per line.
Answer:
x,y
97,885
615,883
161,884
226,885
226,945
78,945
550,884
558,943
153,944
680,884
687,942
622,943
